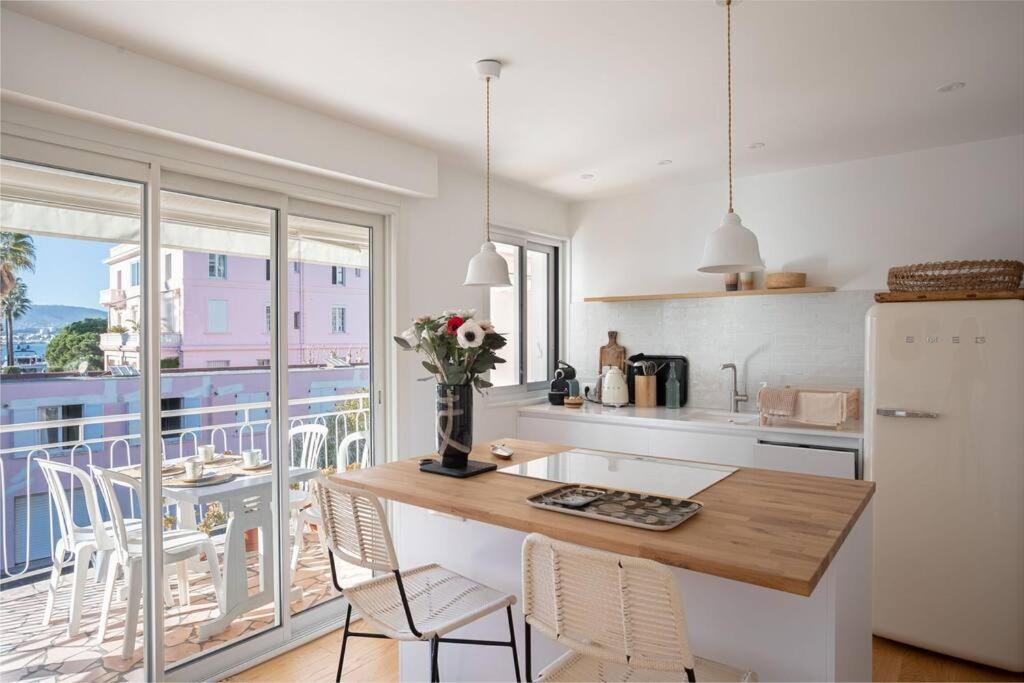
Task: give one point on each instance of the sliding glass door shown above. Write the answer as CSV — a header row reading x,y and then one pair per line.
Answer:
x,y
231,366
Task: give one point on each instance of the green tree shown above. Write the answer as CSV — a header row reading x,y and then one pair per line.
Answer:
x,y
78,341
14,304
17,253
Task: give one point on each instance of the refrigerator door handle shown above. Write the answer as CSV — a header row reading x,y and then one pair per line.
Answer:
x,y
899,412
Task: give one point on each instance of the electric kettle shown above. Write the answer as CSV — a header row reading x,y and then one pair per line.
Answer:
x,y
614,391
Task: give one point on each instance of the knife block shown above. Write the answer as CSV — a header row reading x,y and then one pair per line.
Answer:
x,y
646,391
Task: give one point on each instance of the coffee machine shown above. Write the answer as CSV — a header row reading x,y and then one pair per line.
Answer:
x,y
564,384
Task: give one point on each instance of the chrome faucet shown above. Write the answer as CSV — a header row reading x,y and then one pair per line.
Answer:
x,y
735,397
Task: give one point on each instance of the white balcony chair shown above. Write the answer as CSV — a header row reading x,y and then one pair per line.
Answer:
x,y
312,438
420,604
362,450
621,617
179,546
78,541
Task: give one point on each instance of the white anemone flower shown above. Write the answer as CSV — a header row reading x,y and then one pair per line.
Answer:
x,y
410,336
470,335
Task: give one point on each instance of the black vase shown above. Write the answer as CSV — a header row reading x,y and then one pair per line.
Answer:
x,y
454,424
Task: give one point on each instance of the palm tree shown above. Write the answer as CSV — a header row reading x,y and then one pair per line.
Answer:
x,y
17,252
14,305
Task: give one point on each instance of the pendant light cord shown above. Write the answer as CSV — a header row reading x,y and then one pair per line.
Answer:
x,y
487,129
728,62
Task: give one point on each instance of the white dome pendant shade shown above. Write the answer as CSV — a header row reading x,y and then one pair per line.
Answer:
x,y
488,268
731,248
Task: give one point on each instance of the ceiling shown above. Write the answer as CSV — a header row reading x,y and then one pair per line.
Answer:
x,y
606,88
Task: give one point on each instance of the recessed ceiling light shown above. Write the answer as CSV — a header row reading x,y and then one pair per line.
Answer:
x,y
950,87
755,145
664,162
587,176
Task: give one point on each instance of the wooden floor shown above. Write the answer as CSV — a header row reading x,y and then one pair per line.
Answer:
x,y
377,660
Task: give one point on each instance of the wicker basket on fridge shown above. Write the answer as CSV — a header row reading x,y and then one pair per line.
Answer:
x,y
993,275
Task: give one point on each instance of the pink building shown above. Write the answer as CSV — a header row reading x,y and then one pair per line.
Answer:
x,y
216,310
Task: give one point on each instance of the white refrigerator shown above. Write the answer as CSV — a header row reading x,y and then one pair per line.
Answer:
x,y
944,442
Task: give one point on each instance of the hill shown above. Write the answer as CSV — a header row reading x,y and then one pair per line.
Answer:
x,y
50,315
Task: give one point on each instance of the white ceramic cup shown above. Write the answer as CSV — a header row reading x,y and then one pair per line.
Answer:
x,y
252,457
193,468
207,453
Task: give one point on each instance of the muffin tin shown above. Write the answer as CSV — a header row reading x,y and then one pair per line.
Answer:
x,y
630,508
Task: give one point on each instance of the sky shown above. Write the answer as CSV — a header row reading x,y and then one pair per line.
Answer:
x,y
68,272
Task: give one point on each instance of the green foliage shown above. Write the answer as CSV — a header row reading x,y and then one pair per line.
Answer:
x,y
117,329
77,342
169,363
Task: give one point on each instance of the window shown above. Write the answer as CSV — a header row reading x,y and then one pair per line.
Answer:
x,y
172,423
358,272
297,319
218,266
338,320
297,267
526,312
216,316
168,263
269,321
263,362
61,434
268,270
338,275
134,279
218,364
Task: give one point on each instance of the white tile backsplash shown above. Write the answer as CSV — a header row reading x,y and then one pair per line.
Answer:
x,y
806,339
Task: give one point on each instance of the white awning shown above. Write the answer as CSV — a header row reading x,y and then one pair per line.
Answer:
x,y
61,204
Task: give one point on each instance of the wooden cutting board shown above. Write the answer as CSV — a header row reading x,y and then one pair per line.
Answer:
x,y
612,354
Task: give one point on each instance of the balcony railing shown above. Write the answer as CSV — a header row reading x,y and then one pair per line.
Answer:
x,y
347,413
129,341
112,298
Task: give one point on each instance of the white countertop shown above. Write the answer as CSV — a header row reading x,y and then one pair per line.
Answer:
x,y
698,419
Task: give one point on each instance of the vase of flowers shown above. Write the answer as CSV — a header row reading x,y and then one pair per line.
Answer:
x,y
458,350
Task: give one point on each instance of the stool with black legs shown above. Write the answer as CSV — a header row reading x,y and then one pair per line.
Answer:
x,y
420,604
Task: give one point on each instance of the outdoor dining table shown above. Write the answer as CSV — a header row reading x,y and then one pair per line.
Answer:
x,y
246,501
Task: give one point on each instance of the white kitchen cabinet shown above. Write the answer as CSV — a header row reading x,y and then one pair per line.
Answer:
x,y
684,435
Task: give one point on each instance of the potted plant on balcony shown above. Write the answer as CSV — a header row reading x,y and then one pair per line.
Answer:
x,y
458,350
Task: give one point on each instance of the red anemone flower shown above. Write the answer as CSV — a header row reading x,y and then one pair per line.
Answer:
x,y
454,323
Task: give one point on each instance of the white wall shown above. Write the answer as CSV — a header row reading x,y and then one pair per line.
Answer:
x,y
844,224
51,64
437,237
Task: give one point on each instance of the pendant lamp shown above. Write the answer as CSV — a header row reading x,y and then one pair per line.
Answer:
x,y
731,247
488,268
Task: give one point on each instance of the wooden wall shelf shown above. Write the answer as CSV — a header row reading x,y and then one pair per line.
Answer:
x,y
709,295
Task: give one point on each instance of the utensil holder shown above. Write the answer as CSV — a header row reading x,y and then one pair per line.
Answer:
x,y
646,391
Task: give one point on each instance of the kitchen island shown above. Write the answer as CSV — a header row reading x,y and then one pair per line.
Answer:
x,y
775,571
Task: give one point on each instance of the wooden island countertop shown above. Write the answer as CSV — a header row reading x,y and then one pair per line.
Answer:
x,y
774,529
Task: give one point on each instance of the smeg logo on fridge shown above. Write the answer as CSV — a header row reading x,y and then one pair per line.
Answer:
x,y
934,339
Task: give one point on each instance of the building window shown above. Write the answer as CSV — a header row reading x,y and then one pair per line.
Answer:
x,y
218,266
216,316
263,362
269,321
172,422
338,275
526,313
64,434
297,267
168,263
358,272
297,319
134,277
338,320
218,364
268,270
